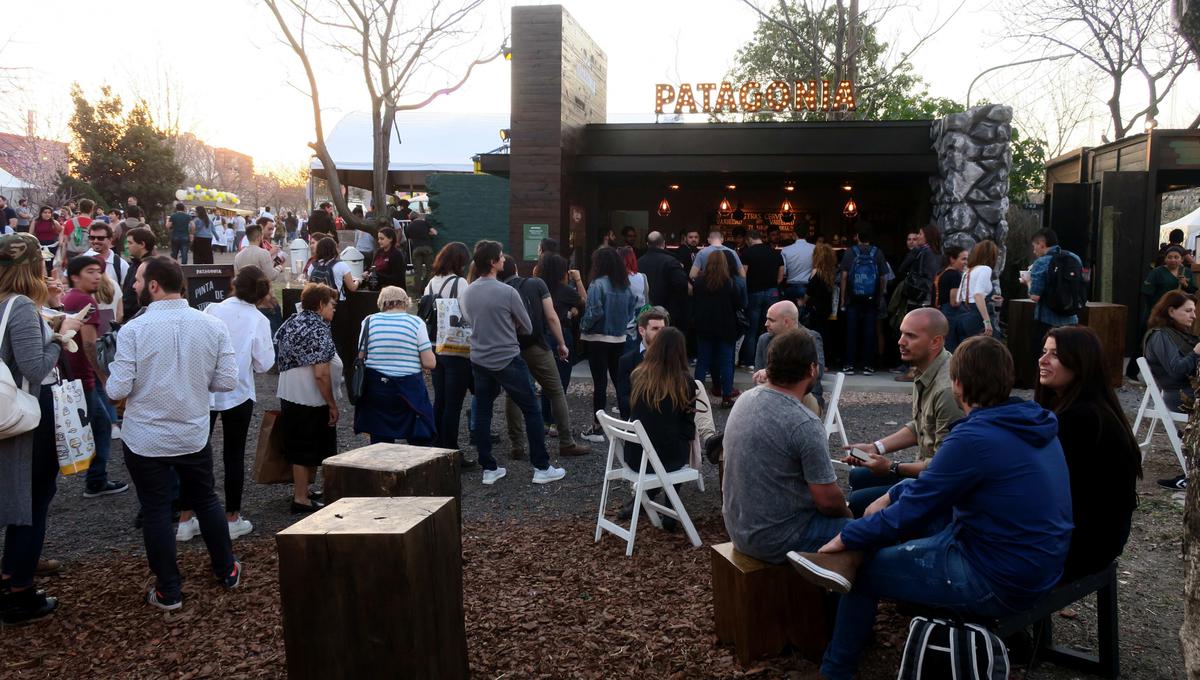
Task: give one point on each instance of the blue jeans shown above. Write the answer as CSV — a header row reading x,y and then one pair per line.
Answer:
x,y
97,472
819,531
515,380
179,249
756,312
717,354
795,291
860,330
929,571
866,487
451,378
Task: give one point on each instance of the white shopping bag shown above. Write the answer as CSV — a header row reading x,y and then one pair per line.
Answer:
x,y
453,334
72,427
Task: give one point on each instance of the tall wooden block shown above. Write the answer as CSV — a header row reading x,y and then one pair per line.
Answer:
x,y
761,608
392,470
372,587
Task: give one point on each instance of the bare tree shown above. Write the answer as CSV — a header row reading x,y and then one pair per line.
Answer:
x,y
840,52
1120,39
396,52
1061,107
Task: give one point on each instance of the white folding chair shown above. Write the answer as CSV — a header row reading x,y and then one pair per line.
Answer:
x,y
619,432
697,458
1154,408
833,414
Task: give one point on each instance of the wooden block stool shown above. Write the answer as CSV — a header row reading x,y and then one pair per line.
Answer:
x,y
372,587
392,470
761,608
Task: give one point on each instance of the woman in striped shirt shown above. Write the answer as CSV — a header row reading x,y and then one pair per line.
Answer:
x,y
395,404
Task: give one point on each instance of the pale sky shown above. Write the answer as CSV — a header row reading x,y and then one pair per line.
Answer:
x,y
238,84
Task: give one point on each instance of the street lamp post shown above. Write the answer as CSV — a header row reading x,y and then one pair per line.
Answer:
x,y
1015,63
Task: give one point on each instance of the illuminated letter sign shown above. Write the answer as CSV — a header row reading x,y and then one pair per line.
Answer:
x,y
750,97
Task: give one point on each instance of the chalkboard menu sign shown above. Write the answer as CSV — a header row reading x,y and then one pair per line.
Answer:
x,y
207,284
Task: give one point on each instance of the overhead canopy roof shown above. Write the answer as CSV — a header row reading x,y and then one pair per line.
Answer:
x,y
8,181
1189,223
423,142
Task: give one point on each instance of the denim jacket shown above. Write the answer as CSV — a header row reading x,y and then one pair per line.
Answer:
x,y
608,309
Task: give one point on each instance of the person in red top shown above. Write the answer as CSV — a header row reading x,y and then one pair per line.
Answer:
x,y
84,274
75,232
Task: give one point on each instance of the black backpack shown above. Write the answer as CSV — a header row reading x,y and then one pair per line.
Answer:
x,y
943,650
427,306
1066,291
536,315
322,272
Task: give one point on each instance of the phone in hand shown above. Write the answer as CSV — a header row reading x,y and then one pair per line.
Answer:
x,y
861,455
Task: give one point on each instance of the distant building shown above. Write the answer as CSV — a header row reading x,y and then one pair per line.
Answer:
x,y
233,168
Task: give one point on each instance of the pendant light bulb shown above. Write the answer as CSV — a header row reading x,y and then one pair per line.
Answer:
x,y
851,209
664,208
724,206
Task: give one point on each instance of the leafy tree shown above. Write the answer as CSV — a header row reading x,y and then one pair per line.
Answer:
x,y
1028,171
121,155
883,91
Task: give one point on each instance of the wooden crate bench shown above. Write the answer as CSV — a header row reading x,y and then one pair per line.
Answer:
x,y
762,608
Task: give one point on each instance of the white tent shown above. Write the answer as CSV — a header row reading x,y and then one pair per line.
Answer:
x,y
8,182
423,142
1189,223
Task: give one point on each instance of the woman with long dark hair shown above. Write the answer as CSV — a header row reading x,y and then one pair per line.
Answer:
x,y
452,373
564,284
610,306
389,265
640,286
327,268
715,322
1102,455
819,298
202,237
48,232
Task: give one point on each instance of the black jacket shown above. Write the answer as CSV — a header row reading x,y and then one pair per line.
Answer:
x,y
715,311
624,380
320,222
668,282
1102,460
129,297
671,430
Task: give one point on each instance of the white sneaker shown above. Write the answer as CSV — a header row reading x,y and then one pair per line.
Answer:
x,y
490,476
188,530
550,474
240,527
116,431
594,435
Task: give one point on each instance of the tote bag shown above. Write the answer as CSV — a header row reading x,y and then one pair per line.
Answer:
x,y
72,427
453,334
25,412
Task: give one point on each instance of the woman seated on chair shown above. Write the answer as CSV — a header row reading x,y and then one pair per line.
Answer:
x,y
663,398
1172,351
1102,456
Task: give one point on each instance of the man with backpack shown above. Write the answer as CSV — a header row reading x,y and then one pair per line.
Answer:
x,y
75,232
536,352
862,282
1055,284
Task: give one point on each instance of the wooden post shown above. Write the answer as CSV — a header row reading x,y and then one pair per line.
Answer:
x,y
373,587
392,470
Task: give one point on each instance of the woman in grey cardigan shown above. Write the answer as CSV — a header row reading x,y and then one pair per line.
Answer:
x,y
29,462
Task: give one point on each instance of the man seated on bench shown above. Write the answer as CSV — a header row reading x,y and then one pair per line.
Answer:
x,y
982,532
780,491
922,346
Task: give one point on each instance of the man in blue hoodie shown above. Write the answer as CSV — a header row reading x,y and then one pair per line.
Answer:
x,y
983,531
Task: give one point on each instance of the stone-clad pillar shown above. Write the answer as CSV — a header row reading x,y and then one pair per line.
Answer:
x,y
970,191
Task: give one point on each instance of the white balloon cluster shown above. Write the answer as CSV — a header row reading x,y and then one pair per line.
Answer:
x,y
199,193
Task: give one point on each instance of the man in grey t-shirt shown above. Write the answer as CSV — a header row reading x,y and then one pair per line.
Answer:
x,y
496,314
780,490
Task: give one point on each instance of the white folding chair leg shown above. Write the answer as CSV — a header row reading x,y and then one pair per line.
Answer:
x,y
604,489
1176,444
1137,422
841,427
682,515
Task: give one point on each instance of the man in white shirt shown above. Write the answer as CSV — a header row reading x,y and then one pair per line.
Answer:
x,y
798,267
239,230
100,236
168,360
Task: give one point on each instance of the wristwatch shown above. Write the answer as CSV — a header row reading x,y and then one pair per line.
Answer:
x,y
896,469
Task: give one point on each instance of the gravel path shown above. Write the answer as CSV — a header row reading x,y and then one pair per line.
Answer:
x,y
84,532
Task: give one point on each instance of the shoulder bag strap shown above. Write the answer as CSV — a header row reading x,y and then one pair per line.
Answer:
x,y
445,283
12,301
362,342
454,290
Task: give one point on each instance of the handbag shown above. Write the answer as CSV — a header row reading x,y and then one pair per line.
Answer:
x,y
354,390
73,439
270,467
24,412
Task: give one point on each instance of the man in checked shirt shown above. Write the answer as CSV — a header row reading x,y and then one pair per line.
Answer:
x,y
168,359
